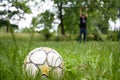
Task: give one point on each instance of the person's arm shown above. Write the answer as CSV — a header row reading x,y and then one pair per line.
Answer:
x,y
86,14
80,12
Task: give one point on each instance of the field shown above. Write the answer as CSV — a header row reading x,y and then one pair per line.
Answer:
x,y
82,61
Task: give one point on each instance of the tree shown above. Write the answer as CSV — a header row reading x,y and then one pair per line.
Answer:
x,y
60,14
47,18
105,8
63,14
11,9
100,11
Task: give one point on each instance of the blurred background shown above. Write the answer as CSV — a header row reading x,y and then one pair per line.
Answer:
x,y
59,19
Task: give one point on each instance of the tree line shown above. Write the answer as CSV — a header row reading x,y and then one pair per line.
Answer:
x,y
99,11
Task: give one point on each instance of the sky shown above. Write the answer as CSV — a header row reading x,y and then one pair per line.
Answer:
x,y
40,8
35,9
114,25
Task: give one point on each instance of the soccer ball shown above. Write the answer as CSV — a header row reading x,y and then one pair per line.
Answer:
x,y
44,60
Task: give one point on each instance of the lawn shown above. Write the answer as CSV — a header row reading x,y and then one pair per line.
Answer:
x,y
93,60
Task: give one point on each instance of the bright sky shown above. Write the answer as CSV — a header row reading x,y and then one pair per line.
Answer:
x,y
114,25
36,9
41,7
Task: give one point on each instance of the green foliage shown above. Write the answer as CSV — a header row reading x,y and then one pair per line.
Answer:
x,y
67,37
27,30
22,6
4,22
46,33
9,27
100,12
71,21
113,35
8,13
47,18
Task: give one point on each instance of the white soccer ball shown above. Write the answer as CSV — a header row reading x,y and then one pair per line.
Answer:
x,y
45,60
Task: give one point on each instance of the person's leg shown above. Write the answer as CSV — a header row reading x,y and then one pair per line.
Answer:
x,y
84,33
80,36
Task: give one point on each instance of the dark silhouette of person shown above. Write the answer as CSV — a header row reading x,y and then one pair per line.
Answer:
x,y
83,25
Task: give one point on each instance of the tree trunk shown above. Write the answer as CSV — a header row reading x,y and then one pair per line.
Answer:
x,y
61,18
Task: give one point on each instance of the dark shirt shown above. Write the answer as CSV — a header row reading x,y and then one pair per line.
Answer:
x,y
83,22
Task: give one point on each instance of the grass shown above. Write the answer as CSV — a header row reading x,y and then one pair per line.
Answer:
x,y
83,61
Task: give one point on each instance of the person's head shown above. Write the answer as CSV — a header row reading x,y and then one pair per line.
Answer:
x,y
83,15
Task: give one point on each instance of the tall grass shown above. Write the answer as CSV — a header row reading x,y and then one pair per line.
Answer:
x,y
82,61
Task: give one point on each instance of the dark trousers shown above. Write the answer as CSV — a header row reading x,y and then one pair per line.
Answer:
x,y
82,32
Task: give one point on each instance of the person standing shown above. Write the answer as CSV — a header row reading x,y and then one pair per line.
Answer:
x,y
83,25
